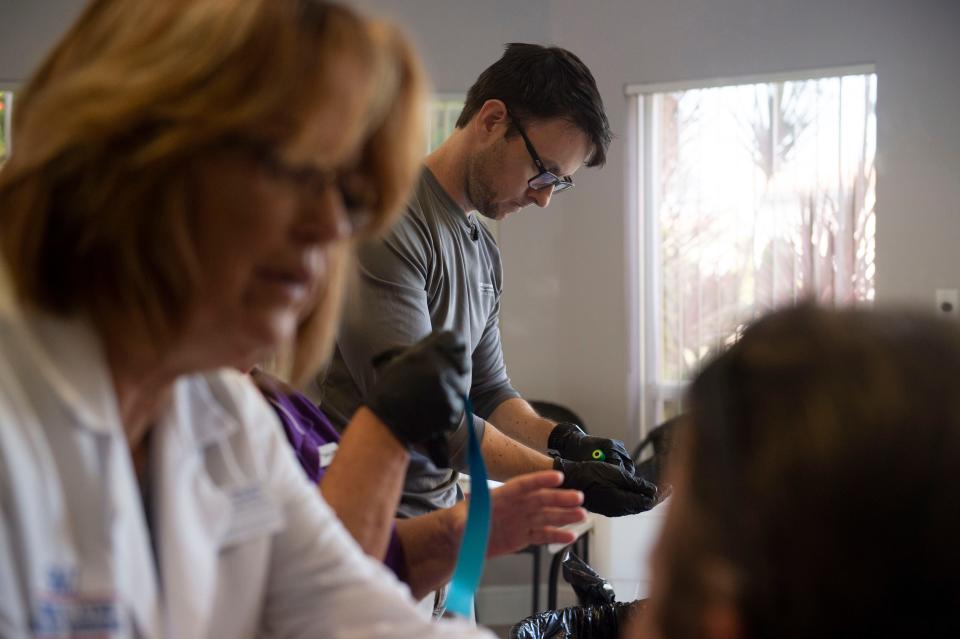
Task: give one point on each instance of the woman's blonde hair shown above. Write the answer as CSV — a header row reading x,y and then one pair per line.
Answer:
x,y
95,210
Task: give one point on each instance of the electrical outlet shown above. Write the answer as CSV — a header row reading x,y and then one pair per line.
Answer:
x,y
948,302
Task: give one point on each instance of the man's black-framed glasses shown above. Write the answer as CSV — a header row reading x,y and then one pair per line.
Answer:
x,y
544,178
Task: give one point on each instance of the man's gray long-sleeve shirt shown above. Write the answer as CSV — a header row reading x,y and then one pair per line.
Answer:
x,y
437,268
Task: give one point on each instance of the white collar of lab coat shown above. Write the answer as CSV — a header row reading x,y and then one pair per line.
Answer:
x,y
199,417
69,357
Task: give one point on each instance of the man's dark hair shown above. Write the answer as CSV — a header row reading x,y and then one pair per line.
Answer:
x,y
539,83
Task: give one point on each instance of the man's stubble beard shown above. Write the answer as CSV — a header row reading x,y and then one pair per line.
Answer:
x,y
478,180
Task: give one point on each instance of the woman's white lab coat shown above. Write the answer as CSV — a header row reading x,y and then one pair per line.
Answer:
x,y
241,543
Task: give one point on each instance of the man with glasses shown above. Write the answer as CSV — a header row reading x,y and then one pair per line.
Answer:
x,y
530,121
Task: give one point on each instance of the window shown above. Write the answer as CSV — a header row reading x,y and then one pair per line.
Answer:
x,y
444,111
6,120
751,195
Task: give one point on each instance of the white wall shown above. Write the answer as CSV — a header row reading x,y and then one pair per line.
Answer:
x,y
458,38
28,28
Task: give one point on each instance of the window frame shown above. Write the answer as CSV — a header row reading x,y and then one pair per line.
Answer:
x,y
648,395
9,87
440,97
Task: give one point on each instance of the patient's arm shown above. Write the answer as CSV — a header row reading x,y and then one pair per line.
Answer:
x,y
364,481
526,510
363,486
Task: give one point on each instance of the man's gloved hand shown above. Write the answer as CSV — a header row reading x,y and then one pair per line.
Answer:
x,y
607,489
574,444
419,390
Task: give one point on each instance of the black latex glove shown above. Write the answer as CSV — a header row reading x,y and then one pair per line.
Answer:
x,y
572,443
607,489
419,390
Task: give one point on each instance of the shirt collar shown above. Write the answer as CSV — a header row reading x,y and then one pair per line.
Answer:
x,y
67,355
432,183
202,414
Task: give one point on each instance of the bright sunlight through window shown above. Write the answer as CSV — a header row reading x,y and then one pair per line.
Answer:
x,y
758,194
6,117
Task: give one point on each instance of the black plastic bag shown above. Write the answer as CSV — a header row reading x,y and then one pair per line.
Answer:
x,y
591,588
604,621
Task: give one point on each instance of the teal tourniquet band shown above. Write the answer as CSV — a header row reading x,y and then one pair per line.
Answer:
x,y
473,548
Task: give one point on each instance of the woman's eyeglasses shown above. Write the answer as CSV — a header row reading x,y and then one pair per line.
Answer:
x,y
357,192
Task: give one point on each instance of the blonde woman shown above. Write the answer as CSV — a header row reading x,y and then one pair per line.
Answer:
x,y
187,177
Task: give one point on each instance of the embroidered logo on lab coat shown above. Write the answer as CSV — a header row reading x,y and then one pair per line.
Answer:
x,y
62,610
254,514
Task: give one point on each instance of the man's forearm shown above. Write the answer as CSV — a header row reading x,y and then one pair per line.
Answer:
x,y
517,419
508,458
364,481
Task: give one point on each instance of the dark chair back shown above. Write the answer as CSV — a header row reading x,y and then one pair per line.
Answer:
x,y
660,442
556,412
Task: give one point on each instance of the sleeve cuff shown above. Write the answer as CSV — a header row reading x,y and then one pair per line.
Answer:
x,y
458,443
